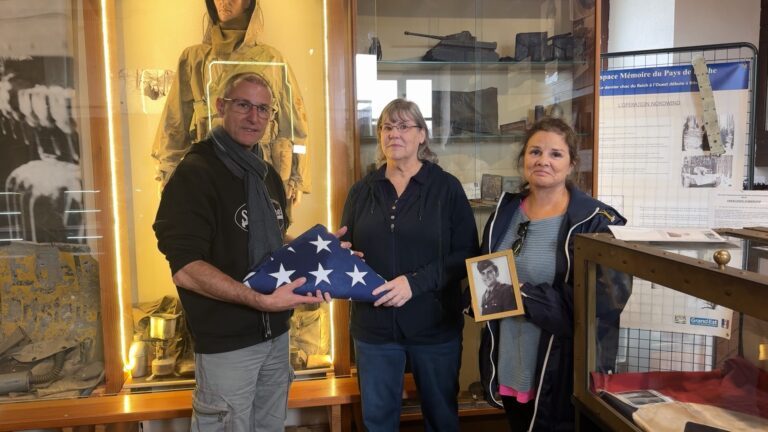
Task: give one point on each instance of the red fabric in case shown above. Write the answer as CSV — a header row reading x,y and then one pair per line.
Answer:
x,y
738,386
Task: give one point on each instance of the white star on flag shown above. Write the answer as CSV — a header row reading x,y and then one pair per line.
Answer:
x,y
357,276
302,257
283,276
321,275
321,244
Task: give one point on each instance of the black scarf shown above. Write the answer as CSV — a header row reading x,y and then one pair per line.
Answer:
x,y
264,235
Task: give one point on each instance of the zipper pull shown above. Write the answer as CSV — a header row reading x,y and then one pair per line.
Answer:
x,y
605,213
267,327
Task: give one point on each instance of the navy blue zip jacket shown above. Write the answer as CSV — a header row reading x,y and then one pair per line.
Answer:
x,y
551,308
425,234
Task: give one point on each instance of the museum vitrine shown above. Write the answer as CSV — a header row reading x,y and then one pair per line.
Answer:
x,y
481,71
168,90
98,101
690,348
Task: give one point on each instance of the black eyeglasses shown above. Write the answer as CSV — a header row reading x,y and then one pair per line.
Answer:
x,y
522,230
242,106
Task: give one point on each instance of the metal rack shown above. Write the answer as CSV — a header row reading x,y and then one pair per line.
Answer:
x,y
642,350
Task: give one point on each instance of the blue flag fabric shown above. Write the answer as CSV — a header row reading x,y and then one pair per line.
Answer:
x,y
317,255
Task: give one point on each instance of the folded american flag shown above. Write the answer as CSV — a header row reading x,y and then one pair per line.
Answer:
x,y
317,255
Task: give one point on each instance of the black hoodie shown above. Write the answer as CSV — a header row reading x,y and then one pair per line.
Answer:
x,y
202,216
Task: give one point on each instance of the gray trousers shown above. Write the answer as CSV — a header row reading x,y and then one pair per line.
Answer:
x,y
243,390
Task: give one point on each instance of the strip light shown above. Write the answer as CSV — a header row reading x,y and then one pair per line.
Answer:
x,y
127,362
328,184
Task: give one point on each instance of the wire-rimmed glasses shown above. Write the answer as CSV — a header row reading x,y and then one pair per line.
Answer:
x,y
242,106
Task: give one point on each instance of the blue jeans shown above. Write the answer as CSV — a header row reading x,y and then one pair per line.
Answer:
x,y
435,368
243,390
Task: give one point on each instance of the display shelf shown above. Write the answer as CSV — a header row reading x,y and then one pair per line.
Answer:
x,y
504,66
483,99
482,204
464,138
734,293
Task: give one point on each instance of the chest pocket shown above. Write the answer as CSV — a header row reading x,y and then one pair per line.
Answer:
x,y
200,124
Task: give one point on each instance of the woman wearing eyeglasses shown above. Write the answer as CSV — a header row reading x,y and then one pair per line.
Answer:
x,y
414,224
538,225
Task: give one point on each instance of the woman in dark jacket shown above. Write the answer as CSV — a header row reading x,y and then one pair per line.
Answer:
x,y
414,224
538,225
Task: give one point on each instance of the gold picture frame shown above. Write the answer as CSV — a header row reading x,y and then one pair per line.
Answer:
x,y
495,271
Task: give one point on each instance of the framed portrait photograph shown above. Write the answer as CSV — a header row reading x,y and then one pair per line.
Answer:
x,y
494,286
490,187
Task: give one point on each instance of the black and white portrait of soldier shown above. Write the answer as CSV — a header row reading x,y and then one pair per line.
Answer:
x,y
498,296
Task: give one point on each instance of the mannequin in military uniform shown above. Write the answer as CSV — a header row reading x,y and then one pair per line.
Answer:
x,y
230,46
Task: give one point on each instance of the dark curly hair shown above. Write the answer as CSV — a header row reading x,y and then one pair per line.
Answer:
x,y
554,125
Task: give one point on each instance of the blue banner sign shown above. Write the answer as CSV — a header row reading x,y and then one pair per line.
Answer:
x,y
672,79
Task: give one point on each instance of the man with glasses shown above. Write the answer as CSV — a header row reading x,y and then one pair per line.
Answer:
x,y
499,297
220,214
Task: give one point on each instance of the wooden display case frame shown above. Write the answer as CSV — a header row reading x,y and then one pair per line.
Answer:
x,y
339,111
740,290
99,29
586,104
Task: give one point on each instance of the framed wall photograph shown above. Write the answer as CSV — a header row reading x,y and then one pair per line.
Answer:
x,y
494,286
490,187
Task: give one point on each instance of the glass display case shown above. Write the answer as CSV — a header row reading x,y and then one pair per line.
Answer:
x,y
87,91
692,346
54,249
481,72
167,89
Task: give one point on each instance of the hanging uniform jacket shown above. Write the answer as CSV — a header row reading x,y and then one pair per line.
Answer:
x,y
202,71
550,307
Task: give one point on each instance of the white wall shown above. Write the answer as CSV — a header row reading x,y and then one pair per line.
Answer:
x,y
640,24
650,24
702,22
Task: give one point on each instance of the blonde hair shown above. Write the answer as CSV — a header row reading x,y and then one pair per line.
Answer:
x,y
250,77
401,110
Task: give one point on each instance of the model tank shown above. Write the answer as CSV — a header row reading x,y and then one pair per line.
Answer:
x,y
459,47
